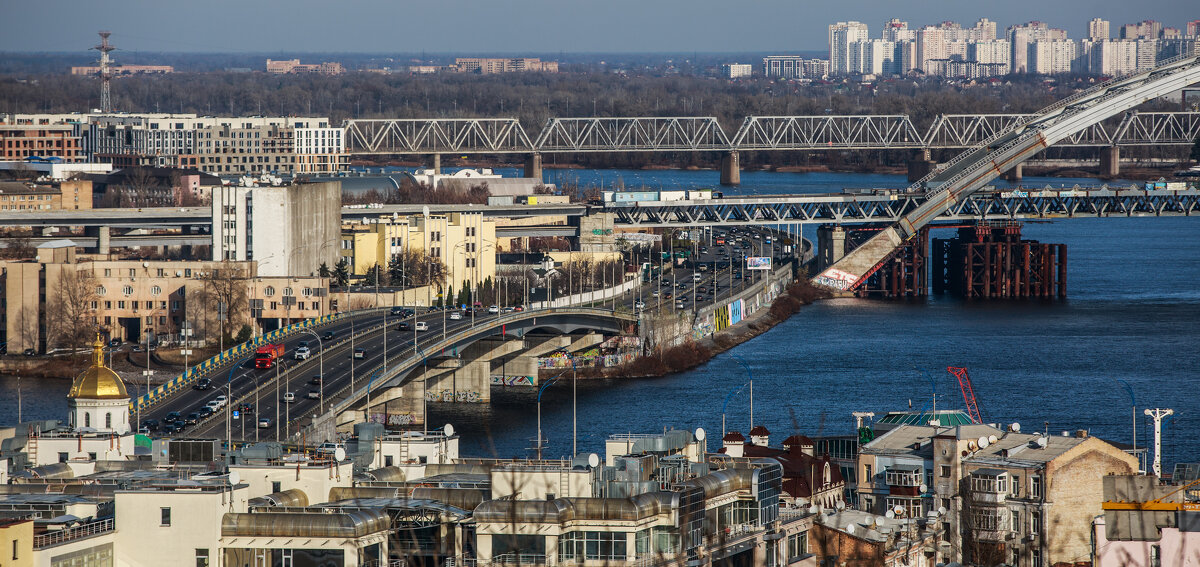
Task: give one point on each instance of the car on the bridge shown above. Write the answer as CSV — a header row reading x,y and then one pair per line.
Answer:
x,y
519,308
422,326
668,295
265,422
639,304
289,397
114,343
494,309
456,316
328,336
315,380
655,293
508,309
360,353
202,384
314,394
180,425
171,417
150,424
169,429
679,305
205,412
404,326
302,353
246,407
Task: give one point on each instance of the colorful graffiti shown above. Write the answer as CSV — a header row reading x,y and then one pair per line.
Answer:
x,y
836,279
498,380
452,396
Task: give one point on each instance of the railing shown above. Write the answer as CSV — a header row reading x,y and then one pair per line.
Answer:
x,y
50,539
519,559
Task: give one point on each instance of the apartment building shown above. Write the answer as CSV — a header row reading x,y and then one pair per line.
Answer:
x,y
45,195
1098,30
283,67
841,35
50,301
795,67
1051,56
1021,36
736,70
19,141
487,66
465,243
289,230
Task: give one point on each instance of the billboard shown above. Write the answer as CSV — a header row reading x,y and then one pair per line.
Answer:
x,y
758,262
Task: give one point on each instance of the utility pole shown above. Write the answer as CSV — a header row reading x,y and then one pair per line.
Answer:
x,y
1157,414
105,72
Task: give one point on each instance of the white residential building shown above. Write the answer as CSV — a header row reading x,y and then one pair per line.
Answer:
x,y
873,57
1098,30
1052,56
841,35
895,30
996,51
1021,36
736,70
1110,57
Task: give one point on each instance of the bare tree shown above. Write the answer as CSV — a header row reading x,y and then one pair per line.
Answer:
x,y
18,248
413,268
225,288
70,315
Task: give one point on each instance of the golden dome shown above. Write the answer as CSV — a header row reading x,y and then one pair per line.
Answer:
x,y
98,382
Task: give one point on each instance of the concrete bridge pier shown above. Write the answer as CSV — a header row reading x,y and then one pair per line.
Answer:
x,y
396,407
471,381
731,169
1015,174
435,162
1110,162
103,236
831,245
920,165
533,166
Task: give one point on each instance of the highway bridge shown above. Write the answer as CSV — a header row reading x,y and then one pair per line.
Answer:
x,y
957,181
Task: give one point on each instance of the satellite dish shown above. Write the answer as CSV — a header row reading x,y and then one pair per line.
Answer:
x,y
145,264
890,514
899,510
841,505
972,445
983,442
942,511
593,460
1016,427
850,529
1042,441
700,434
339,454
924,488
234,477
449,430
813,509
992,439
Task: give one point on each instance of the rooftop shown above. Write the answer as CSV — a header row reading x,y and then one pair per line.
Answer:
x,y
917,439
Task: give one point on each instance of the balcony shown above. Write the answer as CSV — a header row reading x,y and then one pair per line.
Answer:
x,y
58,537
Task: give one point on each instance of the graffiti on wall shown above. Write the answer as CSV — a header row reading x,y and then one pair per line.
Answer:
x,y
498,380
452,396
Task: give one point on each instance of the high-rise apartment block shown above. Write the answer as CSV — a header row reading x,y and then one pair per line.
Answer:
x,y
795,67
841,35
1098,29
1192,29
1146,29
1051,56
1021,36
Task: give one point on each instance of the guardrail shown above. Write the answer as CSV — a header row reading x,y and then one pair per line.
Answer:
x,y
210,365
50,539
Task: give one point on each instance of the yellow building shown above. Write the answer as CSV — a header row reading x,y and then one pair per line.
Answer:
x,y
465,243
17,537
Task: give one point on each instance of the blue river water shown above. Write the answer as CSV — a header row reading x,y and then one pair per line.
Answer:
x,y
1131,318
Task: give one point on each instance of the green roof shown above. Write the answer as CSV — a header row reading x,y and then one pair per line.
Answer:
x,y
945,418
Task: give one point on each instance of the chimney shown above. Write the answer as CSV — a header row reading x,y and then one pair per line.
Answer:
x,y
760,436
734,443
1081,433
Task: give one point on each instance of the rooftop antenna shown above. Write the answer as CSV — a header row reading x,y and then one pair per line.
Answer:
x,y
105,71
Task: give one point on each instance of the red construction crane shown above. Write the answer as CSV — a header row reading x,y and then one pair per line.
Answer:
x,y
968,392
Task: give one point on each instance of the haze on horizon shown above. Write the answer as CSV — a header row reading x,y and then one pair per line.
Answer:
x,y
517,26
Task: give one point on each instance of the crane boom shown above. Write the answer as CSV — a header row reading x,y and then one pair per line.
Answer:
x,y
968,392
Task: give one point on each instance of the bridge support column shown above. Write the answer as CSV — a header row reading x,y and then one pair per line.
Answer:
x,y
1110,162
1015,174
471,381
533,166
102,234
920,166
185,250
831,245
436,163
731,169
394,407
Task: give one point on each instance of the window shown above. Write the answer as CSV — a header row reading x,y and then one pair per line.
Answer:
x,y
201,558
62,457
162,273
867,473
269,291
1014,487
100,290
1016,521
166,516
987,519
574,546
989,483
275,486
287,291
1035,523
1035,487
1155,555
155,290
127,290
87,419
1035,558
944,471
108,420
797,545
15,556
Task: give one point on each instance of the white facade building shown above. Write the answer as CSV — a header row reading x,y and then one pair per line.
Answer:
x,y
841,35
1049,57
873,57
736,70
1021,36
1110,57
996,51
289,230
1098,30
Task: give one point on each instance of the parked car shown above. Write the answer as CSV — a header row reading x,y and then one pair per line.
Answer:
x,y
422,326
360,353
30,352
265,422
328,448
289,397
202,384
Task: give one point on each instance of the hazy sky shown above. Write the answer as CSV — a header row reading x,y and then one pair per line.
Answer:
x,y
546,26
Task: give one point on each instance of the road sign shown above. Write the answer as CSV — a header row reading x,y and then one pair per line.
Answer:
x,y
236,413
186,352
758,263
147,373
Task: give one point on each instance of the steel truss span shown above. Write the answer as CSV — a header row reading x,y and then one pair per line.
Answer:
x,y
763,133
891,207
954,183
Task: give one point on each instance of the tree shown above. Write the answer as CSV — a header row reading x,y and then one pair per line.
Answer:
x,y
19,248
323,270
341,273
244,334
413,268
374,276
70,315
226,293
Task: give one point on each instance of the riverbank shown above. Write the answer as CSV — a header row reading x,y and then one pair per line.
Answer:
x,y
691,354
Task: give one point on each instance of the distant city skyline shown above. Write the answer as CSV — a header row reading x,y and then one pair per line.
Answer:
x,y
519,26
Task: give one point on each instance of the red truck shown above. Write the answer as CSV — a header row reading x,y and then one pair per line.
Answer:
x,y
266,355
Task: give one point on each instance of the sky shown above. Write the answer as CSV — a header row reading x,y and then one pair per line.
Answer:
x,y
518,26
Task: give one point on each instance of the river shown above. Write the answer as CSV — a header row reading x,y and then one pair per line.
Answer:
x,y
1131,316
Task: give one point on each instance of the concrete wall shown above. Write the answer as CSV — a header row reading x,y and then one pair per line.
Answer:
x,y
588,297
143,541
1075,487
755,298
295,228
315,481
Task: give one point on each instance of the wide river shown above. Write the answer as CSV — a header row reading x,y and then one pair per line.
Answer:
x,y
1133,315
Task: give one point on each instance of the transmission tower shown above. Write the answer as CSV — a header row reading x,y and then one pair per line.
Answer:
x,y
105,71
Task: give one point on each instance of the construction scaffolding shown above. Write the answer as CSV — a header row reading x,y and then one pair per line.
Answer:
x,y
989,260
